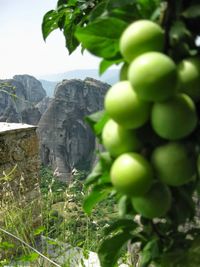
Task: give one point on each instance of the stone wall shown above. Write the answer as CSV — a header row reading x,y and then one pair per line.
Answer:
x,y
19,167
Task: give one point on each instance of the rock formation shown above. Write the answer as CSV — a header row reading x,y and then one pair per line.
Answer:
x,y
34,90
66,141
18,97
43,104
12,100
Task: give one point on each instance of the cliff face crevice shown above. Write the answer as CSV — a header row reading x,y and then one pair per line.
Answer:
x,y
66,141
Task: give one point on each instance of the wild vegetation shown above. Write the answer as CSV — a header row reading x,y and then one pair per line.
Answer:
x,y
62,220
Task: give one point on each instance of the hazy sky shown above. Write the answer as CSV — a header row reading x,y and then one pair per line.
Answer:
x,y
22,49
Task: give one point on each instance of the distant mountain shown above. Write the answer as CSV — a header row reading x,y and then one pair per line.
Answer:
x,y
49,81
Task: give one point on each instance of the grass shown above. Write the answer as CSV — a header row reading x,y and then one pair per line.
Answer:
x,y
62,219
64,214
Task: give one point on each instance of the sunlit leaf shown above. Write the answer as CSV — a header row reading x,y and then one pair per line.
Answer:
x,y
97,121
94,174
39,230
6,245
101,37
121,224
105,64
29,257
98,11
50,22
109,251
149,253
97,194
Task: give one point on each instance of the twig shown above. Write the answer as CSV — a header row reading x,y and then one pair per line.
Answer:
x,y
26,244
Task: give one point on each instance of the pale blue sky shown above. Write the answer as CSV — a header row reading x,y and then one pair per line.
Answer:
x,y
22,49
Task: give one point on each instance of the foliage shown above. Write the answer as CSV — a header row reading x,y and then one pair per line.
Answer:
x,y
63,220
63,216
17,239
97,26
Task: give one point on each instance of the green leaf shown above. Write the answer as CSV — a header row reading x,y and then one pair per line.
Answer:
x,y
71,41
121,224
193,12
105,64
149,252
52,242
156,14
94,174
109,251
104,178
98,10
179,32
122,206
39,230
147,8
106,160
50,22
118,3
61,2
98,127
181,41
6,245
94,117
29,257
97,121
100,173
98,193
101,37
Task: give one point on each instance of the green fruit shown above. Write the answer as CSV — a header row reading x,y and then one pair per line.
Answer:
x,y
140,37
155,203
174,164
131,174
118,140
153,75
123,75
175,118
189,76
123,105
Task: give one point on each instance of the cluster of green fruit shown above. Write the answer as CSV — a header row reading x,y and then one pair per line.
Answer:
x,y
152,105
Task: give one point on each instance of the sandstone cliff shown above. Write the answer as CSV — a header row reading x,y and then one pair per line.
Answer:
x,y
66,141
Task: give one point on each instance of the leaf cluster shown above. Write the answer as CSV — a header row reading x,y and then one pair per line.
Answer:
x,y
97,25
